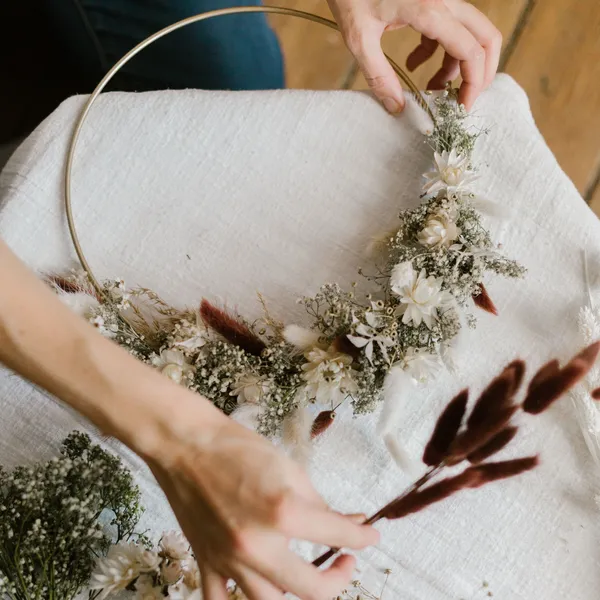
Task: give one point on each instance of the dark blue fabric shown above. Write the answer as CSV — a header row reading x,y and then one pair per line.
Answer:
x,y
229,52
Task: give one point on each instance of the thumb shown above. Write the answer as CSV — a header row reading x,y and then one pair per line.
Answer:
x,y
380,75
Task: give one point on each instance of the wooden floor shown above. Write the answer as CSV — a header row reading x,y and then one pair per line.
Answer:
x,y
551,47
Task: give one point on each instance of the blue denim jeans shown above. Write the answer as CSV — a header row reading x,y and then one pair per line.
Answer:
x,y
229,52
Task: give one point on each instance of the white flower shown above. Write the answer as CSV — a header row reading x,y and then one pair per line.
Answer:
x,y
190,336
181,591
172,572
249,388
421,364
328,375
117,570
452,173
99,323
174,545
173,364
367,335
148,561
420,296
440,230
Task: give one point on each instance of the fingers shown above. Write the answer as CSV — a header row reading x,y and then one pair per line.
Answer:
x,y
448,72
213,585
422,53
378,72
289,572
322,526
484,31
255,586
461,45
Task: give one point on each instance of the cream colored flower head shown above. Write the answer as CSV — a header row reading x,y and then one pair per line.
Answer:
x,y
420,296
117,571
174,545
173,364
452,173
440,230
328,375
249,388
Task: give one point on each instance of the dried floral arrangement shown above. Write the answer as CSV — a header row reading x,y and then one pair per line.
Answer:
x,y
430,270
52,530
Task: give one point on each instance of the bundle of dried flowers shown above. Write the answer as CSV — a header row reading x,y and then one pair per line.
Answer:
x,y
472,440
430,270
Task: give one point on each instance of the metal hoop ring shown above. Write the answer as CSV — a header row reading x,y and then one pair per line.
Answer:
x,y
150,40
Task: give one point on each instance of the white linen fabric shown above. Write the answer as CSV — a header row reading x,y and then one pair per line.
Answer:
x,y
223,194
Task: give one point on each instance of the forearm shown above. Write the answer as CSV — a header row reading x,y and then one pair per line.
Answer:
x,y
42,340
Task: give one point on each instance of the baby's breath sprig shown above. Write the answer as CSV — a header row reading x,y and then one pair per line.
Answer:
x,y
58,517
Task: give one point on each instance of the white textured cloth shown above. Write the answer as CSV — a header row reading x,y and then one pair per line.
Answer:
x,y
224,194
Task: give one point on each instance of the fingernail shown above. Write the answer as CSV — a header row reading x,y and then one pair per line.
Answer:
x,y
357,518
391,105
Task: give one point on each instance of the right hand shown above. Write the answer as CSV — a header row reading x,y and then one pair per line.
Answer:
x,y
240,502
471,42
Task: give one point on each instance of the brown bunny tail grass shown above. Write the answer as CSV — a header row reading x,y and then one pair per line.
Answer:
x,y
322,422
497,395
595,394
70,287
494,471
483,301
497,443
417,500
548,389
550,369
231,329
445,430
477,437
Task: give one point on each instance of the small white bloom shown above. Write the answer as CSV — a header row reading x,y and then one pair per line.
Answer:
x,y
99,323
328,375
174,545
420,297
421,364
402,275
117,570
368,334
440,230
173,364
249,388
148,561
452,173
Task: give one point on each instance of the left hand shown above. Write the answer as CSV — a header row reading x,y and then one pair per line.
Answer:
x,y
471,41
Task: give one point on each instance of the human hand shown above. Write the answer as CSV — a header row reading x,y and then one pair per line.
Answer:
x,y
240,501
471,42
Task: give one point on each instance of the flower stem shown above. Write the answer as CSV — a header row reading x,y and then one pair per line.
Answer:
x,y
380,514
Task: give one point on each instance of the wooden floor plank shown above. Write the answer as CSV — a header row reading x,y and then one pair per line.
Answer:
x,y
315,56
557,61
594,198
505,14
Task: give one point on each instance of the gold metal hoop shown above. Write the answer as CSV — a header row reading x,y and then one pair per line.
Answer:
x,y
150,40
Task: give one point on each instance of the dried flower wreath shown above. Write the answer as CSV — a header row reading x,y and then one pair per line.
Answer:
x,y
430,267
